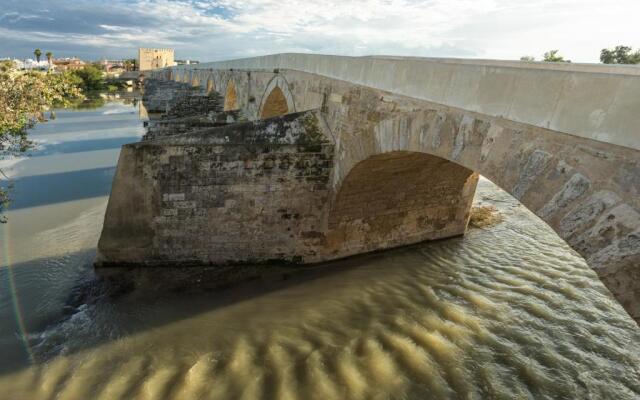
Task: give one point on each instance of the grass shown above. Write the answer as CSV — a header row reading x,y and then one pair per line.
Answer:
x,y
484,217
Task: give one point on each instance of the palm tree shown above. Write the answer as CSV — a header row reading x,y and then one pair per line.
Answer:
x,y
49,58
38,53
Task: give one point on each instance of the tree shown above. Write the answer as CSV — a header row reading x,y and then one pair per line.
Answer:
x,y
130,64
24,96
49,58
620,55
527,58
91,77
99,66
553,56
37,53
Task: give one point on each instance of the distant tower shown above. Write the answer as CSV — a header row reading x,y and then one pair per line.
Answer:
x,y
154,58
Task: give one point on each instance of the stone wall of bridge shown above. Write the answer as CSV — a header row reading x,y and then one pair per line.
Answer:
x,y
593,101
389,147
260,192
248,192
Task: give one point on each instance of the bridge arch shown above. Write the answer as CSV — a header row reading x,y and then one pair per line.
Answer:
x,y
195,79
231,96
277,99
567,183
211,84
373,209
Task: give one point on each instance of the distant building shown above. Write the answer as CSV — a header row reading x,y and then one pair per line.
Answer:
x,y
154,58
19,64
112,66
29,64
68,64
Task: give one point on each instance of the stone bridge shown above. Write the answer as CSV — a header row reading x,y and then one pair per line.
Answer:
x,y
308,158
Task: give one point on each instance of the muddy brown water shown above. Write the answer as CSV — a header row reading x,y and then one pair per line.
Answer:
x,y
505,312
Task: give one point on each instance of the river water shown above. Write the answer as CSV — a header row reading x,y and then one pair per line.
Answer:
x,y
505,312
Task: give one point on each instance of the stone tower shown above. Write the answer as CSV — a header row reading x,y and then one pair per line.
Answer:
x,y
154,58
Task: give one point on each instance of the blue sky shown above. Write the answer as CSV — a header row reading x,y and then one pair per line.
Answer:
x,y
222,29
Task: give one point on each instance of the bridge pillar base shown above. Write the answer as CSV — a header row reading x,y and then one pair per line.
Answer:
x,y
265,191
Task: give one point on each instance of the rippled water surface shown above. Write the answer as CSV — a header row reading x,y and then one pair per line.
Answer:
x,y
505,312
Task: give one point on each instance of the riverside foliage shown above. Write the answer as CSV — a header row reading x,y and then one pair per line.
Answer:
x,y
24,97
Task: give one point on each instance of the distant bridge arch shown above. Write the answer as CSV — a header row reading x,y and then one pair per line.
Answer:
x,y
231,96
211,84
277,98
195,80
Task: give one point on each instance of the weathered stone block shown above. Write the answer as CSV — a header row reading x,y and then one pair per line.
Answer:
x,y
173,196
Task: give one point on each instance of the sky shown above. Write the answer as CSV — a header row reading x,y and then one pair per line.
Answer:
x,y
211,30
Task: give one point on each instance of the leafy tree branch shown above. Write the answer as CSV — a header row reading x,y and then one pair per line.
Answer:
x,y
24,97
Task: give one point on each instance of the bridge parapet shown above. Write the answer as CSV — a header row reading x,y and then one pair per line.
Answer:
x,y
599,102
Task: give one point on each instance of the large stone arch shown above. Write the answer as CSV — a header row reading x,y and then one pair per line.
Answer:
x,y
231,96
374,209
572,184
277,99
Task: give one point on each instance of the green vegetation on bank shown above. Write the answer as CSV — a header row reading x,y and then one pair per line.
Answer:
x,y
24,98
620,55
91,78
617,55
553,56
549,56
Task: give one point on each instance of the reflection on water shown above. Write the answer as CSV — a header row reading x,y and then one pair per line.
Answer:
x,y
32,191
504,312
59,196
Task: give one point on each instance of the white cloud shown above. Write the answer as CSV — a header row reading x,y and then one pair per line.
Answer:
x,y
221,29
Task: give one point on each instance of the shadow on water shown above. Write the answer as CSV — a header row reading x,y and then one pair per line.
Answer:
x,y
117,296
92,122
80,146
40,190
